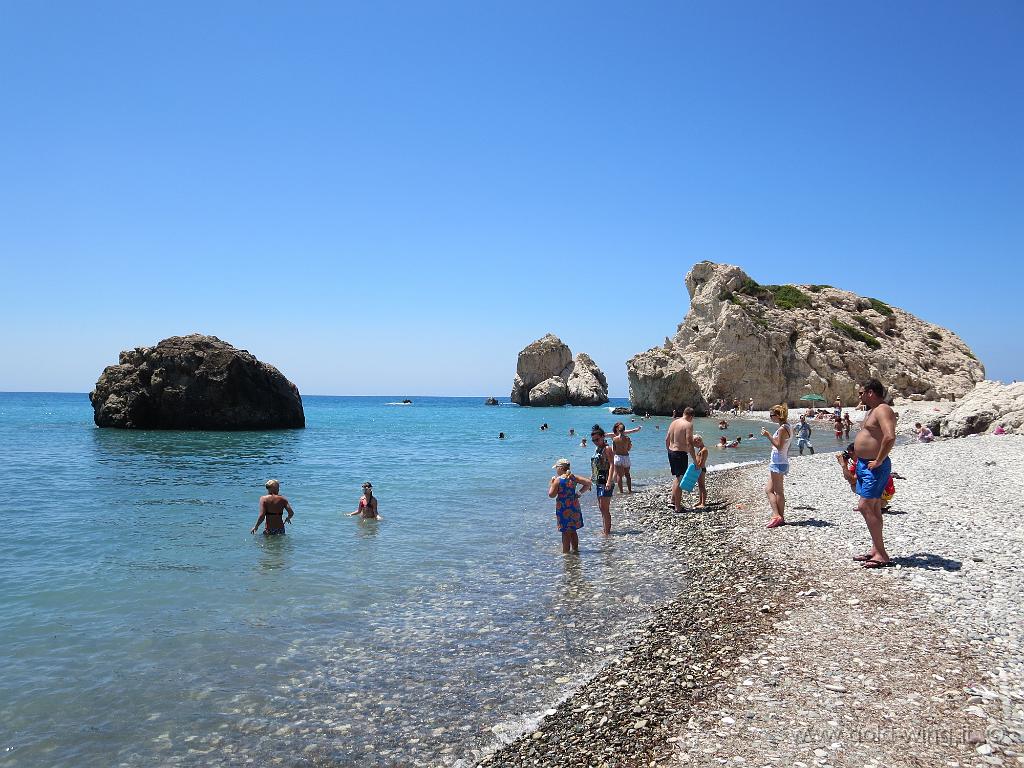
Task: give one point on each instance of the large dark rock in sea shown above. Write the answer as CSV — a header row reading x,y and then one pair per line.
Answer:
x,y
194,382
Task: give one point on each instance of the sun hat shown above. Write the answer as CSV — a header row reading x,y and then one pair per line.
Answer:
x,y
561,463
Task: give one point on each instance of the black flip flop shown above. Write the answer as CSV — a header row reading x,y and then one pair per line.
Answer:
x,y
863,558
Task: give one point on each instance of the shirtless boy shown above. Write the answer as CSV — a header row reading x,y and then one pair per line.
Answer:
x,y
679,444
872,445
272,507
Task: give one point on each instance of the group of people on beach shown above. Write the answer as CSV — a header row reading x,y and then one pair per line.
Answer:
x,y
866,465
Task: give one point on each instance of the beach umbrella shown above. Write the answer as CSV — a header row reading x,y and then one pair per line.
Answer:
x,y
813,398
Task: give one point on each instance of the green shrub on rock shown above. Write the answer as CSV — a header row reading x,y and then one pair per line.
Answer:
x,y
856,334
881,307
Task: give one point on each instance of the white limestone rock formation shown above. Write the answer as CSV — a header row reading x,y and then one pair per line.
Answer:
x,y
776,343
984,408
547,374
585,382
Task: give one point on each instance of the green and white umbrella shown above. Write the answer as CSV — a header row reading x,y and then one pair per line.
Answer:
x,y
813,398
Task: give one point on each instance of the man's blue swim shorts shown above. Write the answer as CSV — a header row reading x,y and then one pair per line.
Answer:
x,y
871,483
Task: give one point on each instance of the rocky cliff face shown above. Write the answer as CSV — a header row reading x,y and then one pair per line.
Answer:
x,y
984,408
548,374
777,343
194,382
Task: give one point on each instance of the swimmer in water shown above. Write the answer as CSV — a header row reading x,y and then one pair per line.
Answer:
x,y
367,508
272,507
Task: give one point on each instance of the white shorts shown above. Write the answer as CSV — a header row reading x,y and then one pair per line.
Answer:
x,y
621,461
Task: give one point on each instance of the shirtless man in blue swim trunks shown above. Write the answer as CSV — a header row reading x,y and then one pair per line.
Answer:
x,y
872,445
272,507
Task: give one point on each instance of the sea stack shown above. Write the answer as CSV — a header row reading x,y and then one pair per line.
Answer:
x,y
195,382
777,343
548,374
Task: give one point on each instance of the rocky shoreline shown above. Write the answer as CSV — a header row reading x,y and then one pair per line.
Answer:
x,y
781,651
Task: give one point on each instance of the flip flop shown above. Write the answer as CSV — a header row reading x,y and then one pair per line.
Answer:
x,y
872,564
863,558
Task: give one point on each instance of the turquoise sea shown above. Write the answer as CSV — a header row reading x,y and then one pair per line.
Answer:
x,y
141,624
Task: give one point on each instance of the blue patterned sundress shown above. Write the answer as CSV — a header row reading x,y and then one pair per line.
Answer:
x,y
567,505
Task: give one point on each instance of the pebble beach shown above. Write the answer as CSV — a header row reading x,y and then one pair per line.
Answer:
x,y
782,651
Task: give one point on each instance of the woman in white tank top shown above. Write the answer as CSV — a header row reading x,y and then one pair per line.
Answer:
x,y
779,465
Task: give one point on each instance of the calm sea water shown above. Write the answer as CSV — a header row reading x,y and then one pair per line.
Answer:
x,y
141,623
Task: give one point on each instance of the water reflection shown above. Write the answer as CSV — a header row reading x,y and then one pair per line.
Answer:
x,y
367,529
274,552
271,447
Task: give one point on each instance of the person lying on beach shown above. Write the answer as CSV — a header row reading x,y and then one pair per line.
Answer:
x,y
568,514
272,507
701,460
367,507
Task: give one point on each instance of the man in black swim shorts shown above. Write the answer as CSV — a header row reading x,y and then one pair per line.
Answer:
x,y
679,444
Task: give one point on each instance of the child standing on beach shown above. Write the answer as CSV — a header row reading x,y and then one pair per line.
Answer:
x,y
701,460
568,514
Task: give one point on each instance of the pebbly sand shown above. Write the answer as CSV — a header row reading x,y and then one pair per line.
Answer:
x,y
782,651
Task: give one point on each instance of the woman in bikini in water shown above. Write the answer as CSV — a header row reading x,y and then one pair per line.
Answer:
x,y
367,509
272,507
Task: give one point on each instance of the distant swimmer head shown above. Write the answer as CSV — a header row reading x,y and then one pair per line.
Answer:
x,y
273,486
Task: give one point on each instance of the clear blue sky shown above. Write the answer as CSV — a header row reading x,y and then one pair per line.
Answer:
x,y
396,197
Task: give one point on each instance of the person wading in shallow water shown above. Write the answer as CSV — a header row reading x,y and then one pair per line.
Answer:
x,y
875,439
272,507
602,471
679,444
367,507
621,446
